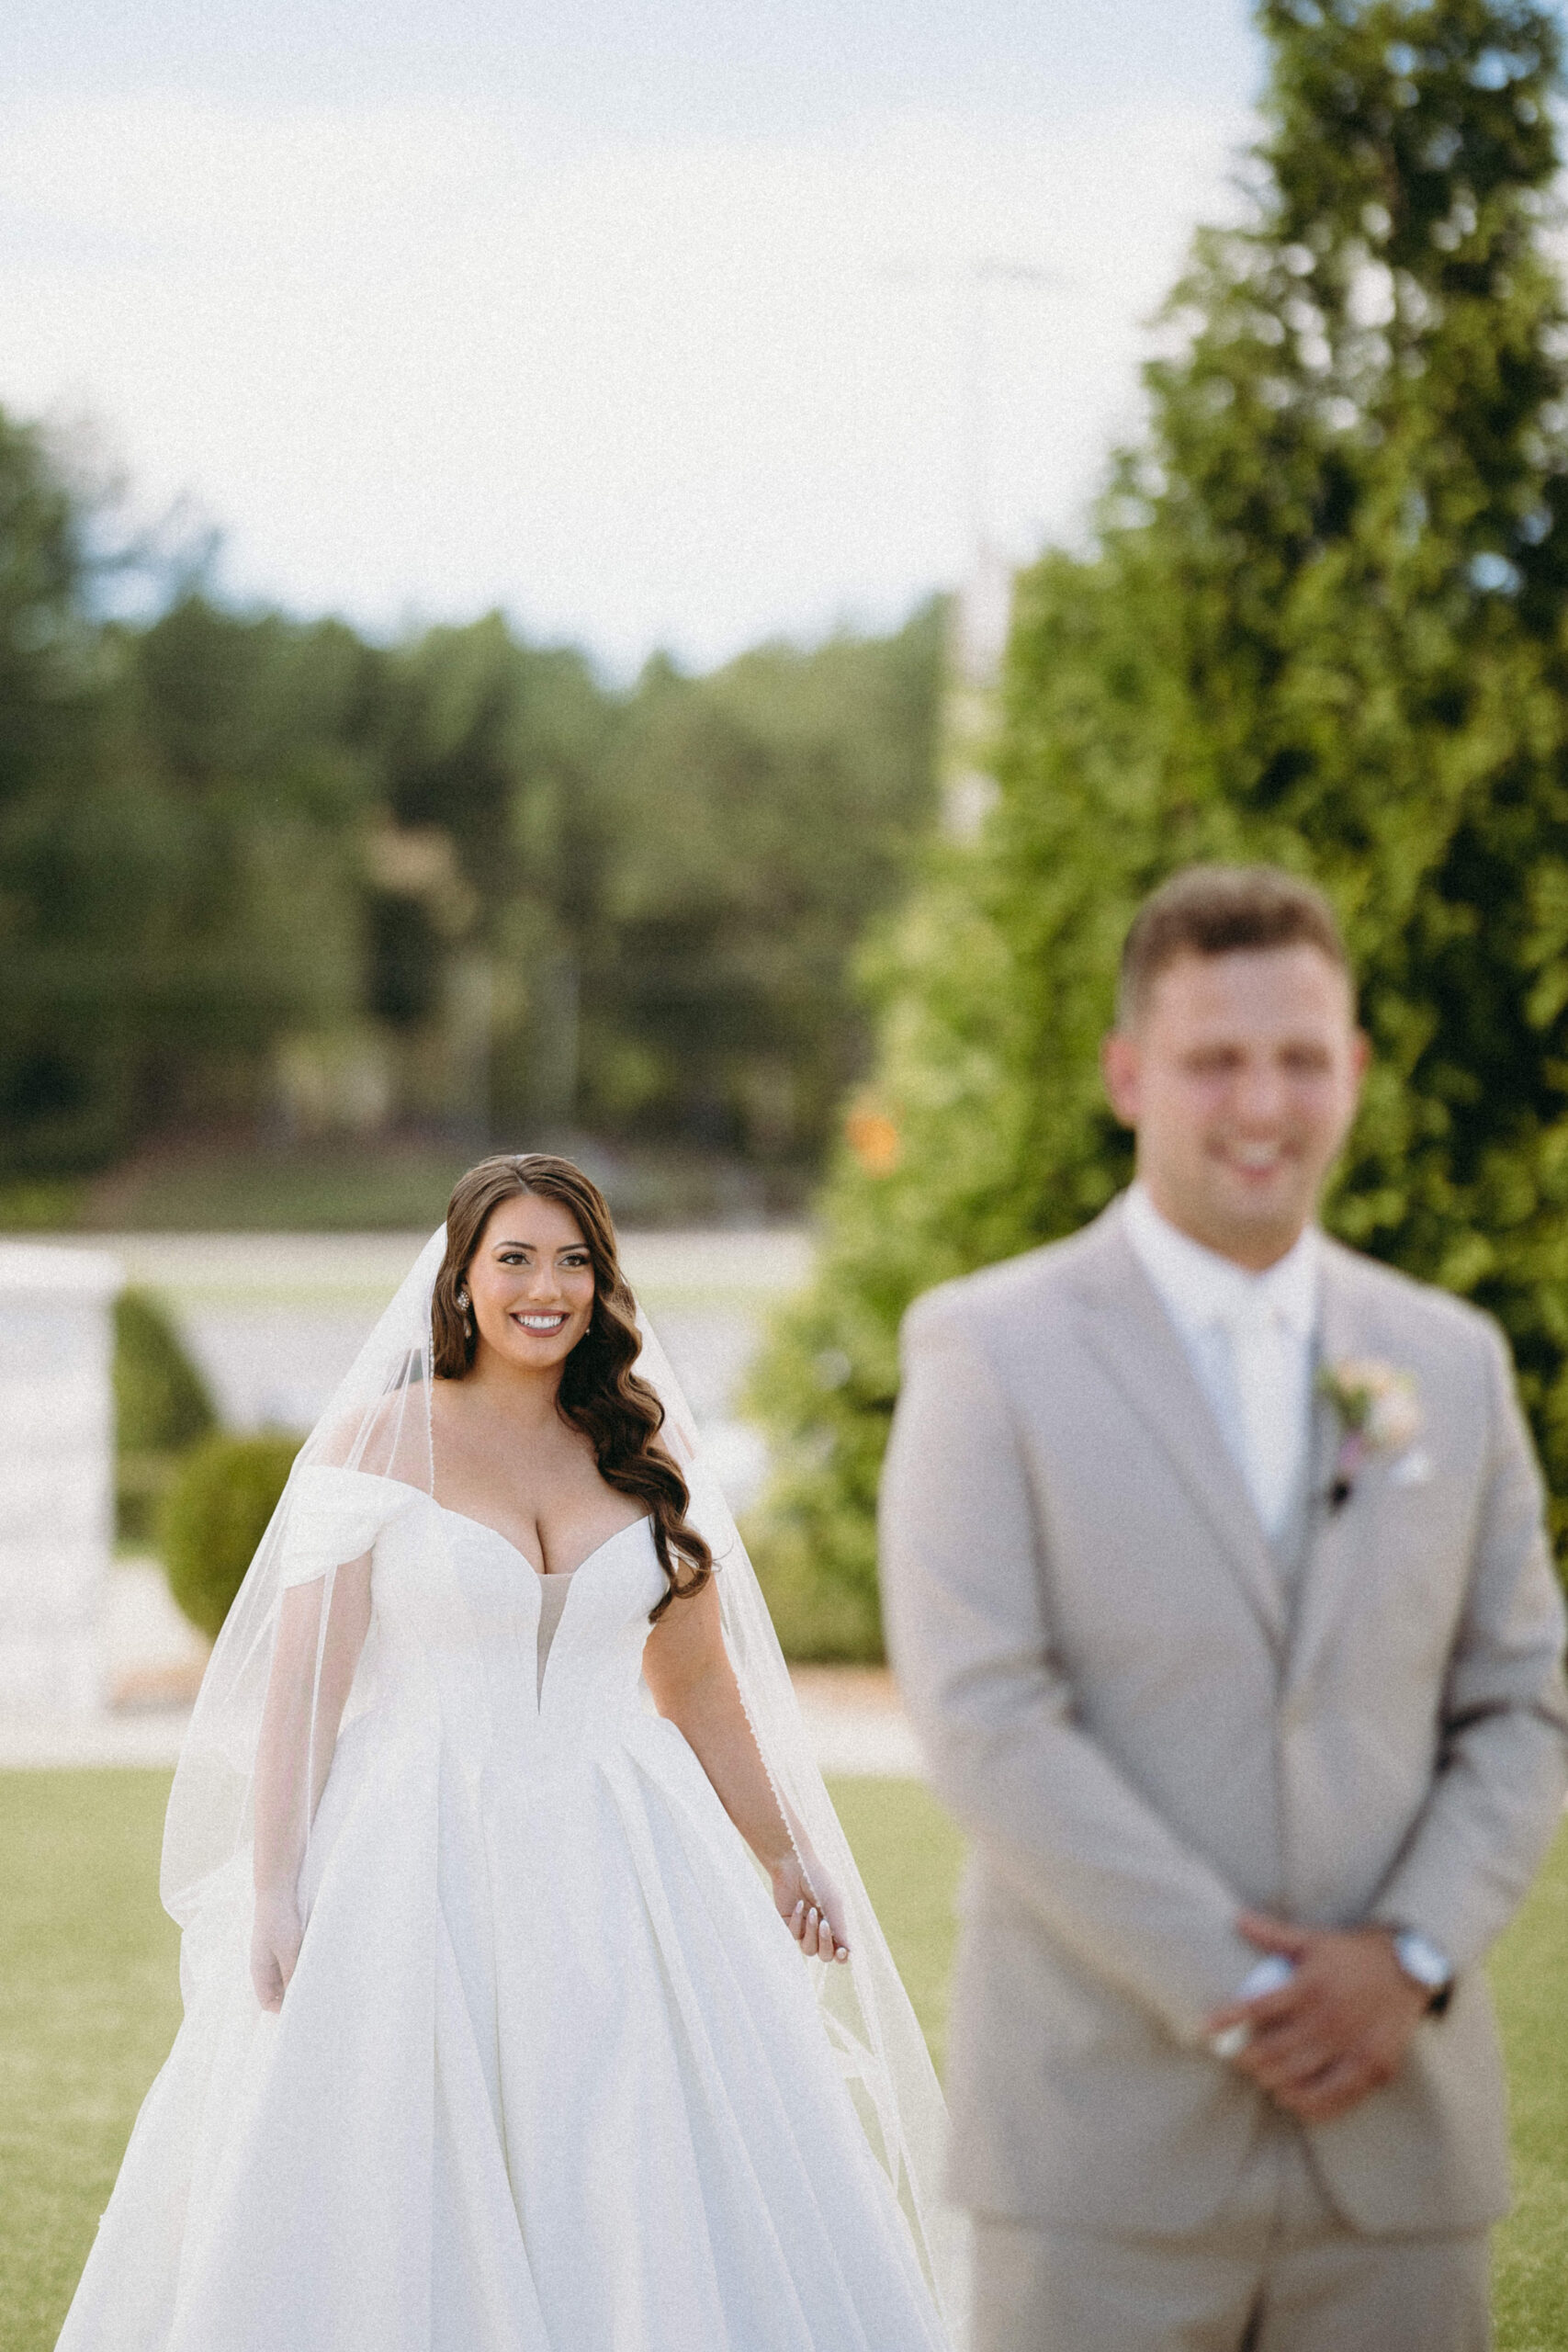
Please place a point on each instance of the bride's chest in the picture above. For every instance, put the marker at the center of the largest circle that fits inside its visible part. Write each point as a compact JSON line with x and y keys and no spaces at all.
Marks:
{"x":442,"y":1581}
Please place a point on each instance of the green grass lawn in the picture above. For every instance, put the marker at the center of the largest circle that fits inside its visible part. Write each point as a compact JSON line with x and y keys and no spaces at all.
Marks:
{"x":89,"y":2002}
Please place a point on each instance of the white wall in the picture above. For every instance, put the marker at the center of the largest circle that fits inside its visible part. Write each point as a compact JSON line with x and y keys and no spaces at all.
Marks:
{"x":56,"y":1472}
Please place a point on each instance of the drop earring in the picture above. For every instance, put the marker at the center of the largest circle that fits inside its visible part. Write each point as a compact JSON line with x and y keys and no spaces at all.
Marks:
{"x":463,"y":1303}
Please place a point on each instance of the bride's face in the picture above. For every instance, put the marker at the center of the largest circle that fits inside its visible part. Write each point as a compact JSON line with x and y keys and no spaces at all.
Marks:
{"x":531,"y":1281}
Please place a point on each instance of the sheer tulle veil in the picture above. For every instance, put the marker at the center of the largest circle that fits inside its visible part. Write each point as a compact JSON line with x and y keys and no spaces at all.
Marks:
{"x":378,"y":1422}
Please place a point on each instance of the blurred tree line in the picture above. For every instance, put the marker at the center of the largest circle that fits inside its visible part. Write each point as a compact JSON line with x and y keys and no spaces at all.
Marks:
{"x":262,"y":874}
{"x":1325,"y":623}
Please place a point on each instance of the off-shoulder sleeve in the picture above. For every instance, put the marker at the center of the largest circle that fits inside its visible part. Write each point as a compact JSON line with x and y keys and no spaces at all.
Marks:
{"x":336,"y":1515}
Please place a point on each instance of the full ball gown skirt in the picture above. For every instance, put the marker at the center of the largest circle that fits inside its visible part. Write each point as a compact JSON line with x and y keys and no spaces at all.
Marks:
{"x":550,"y":2075}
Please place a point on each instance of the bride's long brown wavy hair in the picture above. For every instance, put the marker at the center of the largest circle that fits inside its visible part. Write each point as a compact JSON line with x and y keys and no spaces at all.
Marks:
{"x":599,"y":1393}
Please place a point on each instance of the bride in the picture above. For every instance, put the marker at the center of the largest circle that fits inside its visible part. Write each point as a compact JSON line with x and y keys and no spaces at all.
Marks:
{"x":496,"y":2039}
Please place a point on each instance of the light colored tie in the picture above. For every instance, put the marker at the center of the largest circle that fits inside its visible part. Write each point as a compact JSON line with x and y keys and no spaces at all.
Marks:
{"x":1263,"y":1358}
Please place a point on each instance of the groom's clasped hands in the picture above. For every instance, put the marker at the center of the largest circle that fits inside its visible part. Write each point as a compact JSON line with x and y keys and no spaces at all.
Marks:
{"x":1338,"y":2029}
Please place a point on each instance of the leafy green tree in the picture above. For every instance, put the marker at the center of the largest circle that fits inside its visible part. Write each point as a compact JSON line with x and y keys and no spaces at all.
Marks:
{"x":758,"y":819}
{"x":63,"y":840}
{"x":176,"y":809}
{"x":496,"y":748}
{"x":46,"y":645}
{"x":244,"y":739}
{"x":246,"y":861}
{"x":1323,"y":623}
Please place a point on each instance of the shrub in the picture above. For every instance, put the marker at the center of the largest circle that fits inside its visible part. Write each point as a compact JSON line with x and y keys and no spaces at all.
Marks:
{"x":162,"y":1408}
{"x":215,"y":1515}
{"x":162,"y":1403}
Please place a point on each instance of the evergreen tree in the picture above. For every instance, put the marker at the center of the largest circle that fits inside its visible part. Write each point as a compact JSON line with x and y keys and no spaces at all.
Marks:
{"x":1323,"y":623}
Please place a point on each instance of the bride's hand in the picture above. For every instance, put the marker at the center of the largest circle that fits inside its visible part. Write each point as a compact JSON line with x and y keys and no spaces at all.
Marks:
{"x":810,"y":1907}
{"x":275,"y":1945}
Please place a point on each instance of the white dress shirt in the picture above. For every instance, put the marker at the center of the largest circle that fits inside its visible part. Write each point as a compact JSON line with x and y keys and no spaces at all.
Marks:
{"x":1249,"y":1338}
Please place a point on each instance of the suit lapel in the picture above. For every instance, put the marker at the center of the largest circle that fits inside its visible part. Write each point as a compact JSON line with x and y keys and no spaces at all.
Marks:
{"x":1336,"y":1547}
{"x":1133,"y":1338}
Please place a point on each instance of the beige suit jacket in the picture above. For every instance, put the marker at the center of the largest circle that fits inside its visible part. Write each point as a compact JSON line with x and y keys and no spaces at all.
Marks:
{"x":1093,"y":1641}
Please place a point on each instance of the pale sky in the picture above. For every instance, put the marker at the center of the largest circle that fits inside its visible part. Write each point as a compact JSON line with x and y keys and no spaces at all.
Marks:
{"x":639,"y":321}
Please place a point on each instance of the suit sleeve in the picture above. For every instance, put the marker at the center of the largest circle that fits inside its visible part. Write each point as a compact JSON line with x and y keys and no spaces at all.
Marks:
{"x":995,"y":1711}
{"x":1496,"y":1797}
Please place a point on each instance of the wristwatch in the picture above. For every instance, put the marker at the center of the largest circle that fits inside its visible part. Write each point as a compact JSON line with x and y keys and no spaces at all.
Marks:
{"x":1427,"y":1964}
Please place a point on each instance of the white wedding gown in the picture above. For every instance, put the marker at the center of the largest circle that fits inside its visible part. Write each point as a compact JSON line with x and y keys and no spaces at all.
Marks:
{"x":550,"y":2075}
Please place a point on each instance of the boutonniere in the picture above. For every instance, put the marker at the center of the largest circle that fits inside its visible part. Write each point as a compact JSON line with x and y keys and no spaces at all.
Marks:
{"x":1378,"y":1411}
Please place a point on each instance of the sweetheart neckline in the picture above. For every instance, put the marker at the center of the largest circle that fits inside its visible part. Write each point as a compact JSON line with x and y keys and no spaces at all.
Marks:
{"x":546,"y":1575}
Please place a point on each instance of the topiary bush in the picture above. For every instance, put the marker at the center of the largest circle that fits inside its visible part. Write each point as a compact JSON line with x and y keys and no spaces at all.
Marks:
{"x":162,"y":1408}
{"x":162,"y":1403}
{"x":215,"y":1515}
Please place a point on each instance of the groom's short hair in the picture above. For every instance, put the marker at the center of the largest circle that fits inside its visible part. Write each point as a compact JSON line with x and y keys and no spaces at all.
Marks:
{"x":1214,"y":910}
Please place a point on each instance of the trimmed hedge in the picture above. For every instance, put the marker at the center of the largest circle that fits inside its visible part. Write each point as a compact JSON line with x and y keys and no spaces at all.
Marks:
{"x":162,"y":1404}
{"x":216,"y":1514}
{"x":162,"y":1408}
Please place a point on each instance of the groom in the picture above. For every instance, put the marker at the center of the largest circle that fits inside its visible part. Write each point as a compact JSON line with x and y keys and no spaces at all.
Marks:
{"x":1227,"y":1693}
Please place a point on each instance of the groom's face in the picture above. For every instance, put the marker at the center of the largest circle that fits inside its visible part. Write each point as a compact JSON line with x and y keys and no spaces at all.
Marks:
{"x":1240,"y":1076}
